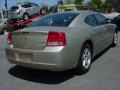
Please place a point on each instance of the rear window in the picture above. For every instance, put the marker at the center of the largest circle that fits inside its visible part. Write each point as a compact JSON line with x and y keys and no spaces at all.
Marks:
{"x":14,"y":7}
{"x":55,"y":20}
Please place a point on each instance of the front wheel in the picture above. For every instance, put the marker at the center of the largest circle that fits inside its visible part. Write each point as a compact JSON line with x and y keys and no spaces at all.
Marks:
{"x":85,"y":59}
{"x":115,"y":39}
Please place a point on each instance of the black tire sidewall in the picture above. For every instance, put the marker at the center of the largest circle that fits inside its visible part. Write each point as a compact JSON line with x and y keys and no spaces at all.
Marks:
{"x":113,"y":43}
{"x":24,"y":16}
{"x":5,"y":29}
{"x":80,"y":68}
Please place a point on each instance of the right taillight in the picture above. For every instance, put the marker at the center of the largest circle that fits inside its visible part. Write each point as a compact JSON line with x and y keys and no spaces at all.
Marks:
{"x":9,"y":38}
{"x":56,"y":39}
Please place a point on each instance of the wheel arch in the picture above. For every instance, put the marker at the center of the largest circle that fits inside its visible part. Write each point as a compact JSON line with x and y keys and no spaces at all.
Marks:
{"x":4,"y":29}
{"x":90,"y":42}
{"x":25,"y":14}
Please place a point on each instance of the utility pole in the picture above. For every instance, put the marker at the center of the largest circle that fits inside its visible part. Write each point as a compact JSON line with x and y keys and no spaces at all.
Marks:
{"x":1,"y":10}
{"x":6,"y":8}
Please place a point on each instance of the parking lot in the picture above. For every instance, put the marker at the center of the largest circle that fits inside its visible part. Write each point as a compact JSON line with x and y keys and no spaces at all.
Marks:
{"x":103,"y":75}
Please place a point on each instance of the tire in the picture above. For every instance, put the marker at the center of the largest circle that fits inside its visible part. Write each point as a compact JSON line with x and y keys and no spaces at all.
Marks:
{"x":25,"y":16}
{"x":85,"y":60}
{"x":115,"y":39}
{"x":5,"y":31}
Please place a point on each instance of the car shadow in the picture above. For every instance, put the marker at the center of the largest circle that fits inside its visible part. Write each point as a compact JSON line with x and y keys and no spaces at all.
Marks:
{"x":46,"y":77}
{"x":39,"y":76}
{"x":101,"y":53}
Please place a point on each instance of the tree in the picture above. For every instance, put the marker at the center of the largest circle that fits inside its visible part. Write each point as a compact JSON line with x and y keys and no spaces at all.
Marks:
{"x":96,"y":3}
{"x":112,"y":4}
{"x":53,"y":9}
{"x":69,"y":1}
{"x":78,"y":2}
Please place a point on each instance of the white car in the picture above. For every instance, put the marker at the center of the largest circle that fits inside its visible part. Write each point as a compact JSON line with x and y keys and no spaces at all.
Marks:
{"x":3,"y":26}
{"x":24,"y":10}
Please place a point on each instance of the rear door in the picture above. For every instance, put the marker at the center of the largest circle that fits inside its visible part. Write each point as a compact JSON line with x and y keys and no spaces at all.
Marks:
{"x":101,"y":32}
{"x":27,"y":9}
{"x":102,"y":23}
{"x":35,"y":8}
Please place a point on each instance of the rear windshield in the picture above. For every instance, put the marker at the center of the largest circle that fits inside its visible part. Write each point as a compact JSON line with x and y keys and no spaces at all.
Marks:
{"x":55,"y":20}
{"x":14,"y":7}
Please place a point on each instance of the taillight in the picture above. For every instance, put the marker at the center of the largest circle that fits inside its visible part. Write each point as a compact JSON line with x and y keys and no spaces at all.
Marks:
{"x":9,"y":38}
{"x":56,"y":39}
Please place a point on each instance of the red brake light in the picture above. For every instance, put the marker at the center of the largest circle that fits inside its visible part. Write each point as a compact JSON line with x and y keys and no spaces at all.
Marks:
{"x":9,"y":38}
{"x":56,"y":39}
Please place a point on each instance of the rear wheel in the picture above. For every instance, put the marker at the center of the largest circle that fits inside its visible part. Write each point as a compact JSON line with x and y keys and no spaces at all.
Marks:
{"x":25,"y":16}
{"x":85,"y":59}
{"x":5,"y":31}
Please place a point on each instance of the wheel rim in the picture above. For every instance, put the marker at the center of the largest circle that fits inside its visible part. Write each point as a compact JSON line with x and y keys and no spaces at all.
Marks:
{"x":86,"y":58}
{"x":26,"y":17}
{"x":5,"y":31}
{"x":115,"y":38}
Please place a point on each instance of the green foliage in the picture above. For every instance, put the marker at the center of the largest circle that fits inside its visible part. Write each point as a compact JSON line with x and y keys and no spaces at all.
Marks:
{"x":53,"y":9}
{"x":78,"y":2}
{"x":115,"y":4}
{"x":96,"y":3}
{"x":68,"y":1}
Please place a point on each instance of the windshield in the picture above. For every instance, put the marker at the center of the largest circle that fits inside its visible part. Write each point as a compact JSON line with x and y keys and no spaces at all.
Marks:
{"x":55,"y":20}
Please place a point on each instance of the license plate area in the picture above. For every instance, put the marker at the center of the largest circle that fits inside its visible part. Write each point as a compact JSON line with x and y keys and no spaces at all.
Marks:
{"x":26,"y":57}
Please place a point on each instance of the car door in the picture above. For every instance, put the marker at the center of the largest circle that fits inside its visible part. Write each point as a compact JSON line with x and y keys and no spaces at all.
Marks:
{"x":31,"y":10}
{"x":27,"y":9}
{"x":97,"y":34}
{"x":101,"y":32}
{"x":35,"y":8}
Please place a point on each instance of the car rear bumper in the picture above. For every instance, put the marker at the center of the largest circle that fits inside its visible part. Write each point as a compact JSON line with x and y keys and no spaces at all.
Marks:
{"x":13,"y":16}
{"x":54,"y":61}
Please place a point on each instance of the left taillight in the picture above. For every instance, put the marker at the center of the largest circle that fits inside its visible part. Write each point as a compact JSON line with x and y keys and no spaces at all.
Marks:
{"x":9,"y":38}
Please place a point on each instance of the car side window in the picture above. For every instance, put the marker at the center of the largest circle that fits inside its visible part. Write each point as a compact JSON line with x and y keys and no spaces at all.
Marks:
{"x":101,"y":20}
{"x":90,"y":20}
{"x":26,"y":5}
{"x":33,"y":4}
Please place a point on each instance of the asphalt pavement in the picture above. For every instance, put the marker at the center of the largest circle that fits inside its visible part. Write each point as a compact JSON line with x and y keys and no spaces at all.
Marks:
{"x":103,"y":75}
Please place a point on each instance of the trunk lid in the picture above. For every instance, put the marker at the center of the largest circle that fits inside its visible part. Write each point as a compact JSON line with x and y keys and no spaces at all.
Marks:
{"x":33,"y":38}
{"x":29,"y":40}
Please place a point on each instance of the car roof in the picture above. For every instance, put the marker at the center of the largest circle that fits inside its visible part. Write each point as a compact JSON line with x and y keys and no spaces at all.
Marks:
{"x":81,"y":12}
{"x":24,"y":3}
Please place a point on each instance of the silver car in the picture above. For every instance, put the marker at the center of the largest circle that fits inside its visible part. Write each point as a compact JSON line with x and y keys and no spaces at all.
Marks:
{"x":61,"y":41}
{"x":24,"y":10}
{"x":3,"y":26}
